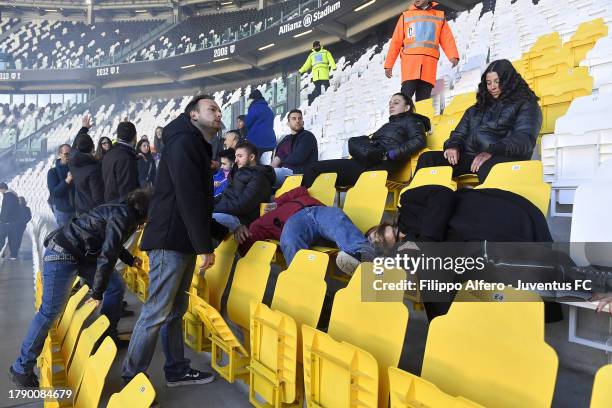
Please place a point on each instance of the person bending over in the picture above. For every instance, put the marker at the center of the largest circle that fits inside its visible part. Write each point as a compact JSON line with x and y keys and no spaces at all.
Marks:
{"x":389,"y":148}
{"x":502,"y":126}
{"x":89,"y":247}
{"x":250,"y":185}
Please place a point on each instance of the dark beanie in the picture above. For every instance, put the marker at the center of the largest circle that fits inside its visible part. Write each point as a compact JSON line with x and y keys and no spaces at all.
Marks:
{"x":126,"y":131}
{"x":255,"y":95}
{"x":84,"y":144}
{"x":316,"y":44}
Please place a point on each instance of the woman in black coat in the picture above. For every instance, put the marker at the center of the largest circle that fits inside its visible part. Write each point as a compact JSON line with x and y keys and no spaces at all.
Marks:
{"x":397,"y":140}
{"x":502,"y":126}
{"x":87,"y":173}
{"x":104,"y":145}
{"x":146,"y":164}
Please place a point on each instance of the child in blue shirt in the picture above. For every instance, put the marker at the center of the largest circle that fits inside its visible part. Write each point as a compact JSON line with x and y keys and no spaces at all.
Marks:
{"x":221,"y":178}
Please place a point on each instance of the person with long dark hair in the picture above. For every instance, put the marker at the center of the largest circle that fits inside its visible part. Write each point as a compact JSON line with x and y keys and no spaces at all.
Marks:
{"x":146,"y":164}
{"x":104,"y":145}
{"x":502,"y":126}
{"x":389,"y":148}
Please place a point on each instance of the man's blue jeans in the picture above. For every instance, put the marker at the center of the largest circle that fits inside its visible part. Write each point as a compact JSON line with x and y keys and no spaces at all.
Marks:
{"x":57,"y":279}
{"x":281,"y":174}
{"x":312,"y":225}
{"x":62,"y":218}
{"x":227,"y":220}
{"x":170,"y":276}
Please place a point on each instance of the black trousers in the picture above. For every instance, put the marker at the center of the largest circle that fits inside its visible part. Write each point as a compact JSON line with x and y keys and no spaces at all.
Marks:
{"x":15,"y":237}
{"x":348,"y":170}
{"x":436,"y":158}
{"x":318,"y":91}
{"x":422,"y":89}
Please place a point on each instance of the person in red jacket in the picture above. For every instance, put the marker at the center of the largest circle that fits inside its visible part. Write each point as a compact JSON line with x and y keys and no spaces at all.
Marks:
{"x":419,"y":33}
{"x":300,"y":221}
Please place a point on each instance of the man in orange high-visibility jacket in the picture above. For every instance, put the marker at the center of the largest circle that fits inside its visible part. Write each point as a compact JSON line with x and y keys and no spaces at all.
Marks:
{"x":419,"y":33}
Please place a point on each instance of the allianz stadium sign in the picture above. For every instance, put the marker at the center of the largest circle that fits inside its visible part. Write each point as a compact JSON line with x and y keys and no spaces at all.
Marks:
{"x":159,"y":69}
{"x":309,"y":19}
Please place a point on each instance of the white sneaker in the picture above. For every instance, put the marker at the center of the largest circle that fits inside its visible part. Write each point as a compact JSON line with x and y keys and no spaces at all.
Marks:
{"x":346,"y":263}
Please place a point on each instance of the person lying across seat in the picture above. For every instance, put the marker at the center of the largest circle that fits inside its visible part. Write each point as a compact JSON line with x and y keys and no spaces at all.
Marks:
{"x":300,"y":221}
{"x":389,"y":148}
{"x":502,"y":126}
{"x":250,"y":185}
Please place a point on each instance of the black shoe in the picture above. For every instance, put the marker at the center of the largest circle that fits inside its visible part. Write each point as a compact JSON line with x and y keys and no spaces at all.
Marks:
{"x":192,"y":377}
{"x":127,"y":313}
{"x":23,"y":380}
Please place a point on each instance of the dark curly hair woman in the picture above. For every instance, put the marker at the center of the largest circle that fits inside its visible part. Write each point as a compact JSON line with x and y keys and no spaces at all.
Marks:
{"x":502,"y":126}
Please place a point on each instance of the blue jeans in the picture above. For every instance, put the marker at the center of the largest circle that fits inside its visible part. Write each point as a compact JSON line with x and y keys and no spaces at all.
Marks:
{"x":62,"y":218}
{"x":281,"y":174}
{"x":311,"y":225}
{"x":113,"y":295}
{"x":170,"y":274}
{"x":230,"y":221}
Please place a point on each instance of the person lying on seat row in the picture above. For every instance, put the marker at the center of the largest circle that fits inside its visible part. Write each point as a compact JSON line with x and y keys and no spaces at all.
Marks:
{"x":502,"y":126}
{"x":389,"y":148}
{"x":300,"y":221}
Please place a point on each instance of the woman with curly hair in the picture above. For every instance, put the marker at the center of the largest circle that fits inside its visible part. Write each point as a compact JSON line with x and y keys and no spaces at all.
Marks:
{"x":104,"y":145}
{"x":502,"y":126}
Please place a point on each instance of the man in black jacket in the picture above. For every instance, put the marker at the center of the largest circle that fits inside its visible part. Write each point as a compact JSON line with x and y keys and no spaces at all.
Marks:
{"x":89,"y":247}
{"x":19,"y":226}
{"x":250,"y":185}
{"x":9,"y":213}
{"x":119,"y":167}
{"x":296,"y":151}
{"x":87,"y":173}
{"x":180,"y":227}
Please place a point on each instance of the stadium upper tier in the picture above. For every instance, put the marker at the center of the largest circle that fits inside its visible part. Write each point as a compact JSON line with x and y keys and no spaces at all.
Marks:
{"x":46,"y":44}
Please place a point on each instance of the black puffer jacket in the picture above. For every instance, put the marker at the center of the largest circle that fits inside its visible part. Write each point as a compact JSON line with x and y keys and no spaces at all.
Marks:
{"x":249,"y":187}
{"x":403,"y":135}
{"x":506,"y":128}
{"x":88,"y":183}
{"x":98,"y":237}
{"x":120,"y":172}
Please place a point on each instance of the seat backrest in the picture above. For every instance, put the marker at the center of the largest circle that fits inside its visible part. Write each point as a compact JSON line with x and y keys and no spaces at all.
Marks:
{"x":84,"y":347}
{"x":602,"y":392}
{"x":576,"y":81}
{"x":138,"y":393}
{"x":249,"y":283}
{"x":460,"y":103}
{"x":324,"y":188}
{"x":425,"y":108}
{"x":71,"y":306}
{"x":496,"y":357}
{"x":433,"y":176}
{"x":336,"y":373}
{"x":273,"y":337}
{"x":74,"y":331}
{"x":408,"y":390}
{"x":544,"y":42}
{"x":442,"y":130}
{"x":376,"y":327}
{"x":525,"y":178}
{"x":365,"y":201}
{"x":96,"y":369}
{"x":289,"y":184}
{"x":216,"y":277}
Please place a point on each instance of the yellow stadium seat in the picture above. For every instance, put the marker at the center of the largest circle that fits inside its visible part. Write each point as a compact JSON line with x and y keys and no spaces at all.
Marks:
{"x":442,"y":130}
{"x":425,"y":108}
{"x":337,"y":374}
{"x":460,"y":103}
{"x":210,"y":288}
{"x":365,"y":201}
{"x":66,"y":318}
{"x":39,"y":291}
{"x":139,"y":393}
{"x":430,"y":176}
{"x":142,"y":285}
{"x":542,"y":44}
{"x":96,"y":369}
{"x":249,"y":283}
{"x":559,"y":91}
{"x":525,"y":178}
{"x":223,"y":341}
{"x":409,"y":391}
{"x":324,"y":188}
{"x":74,"y":332}
{"x":289,"y":184}
{"x":547,"y":68}
{"x":87,"y":341}
{"x":493,"y":351}
{"x":376,"y":327}
{"x":602,"y":392}
{"x":585,"y":38}
{"x":273,"y":362}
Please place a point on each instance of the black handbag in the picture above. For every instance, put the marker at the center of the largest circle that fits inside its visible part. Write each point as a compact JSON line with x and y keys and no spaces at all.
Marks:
{"x":366,"y":151}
